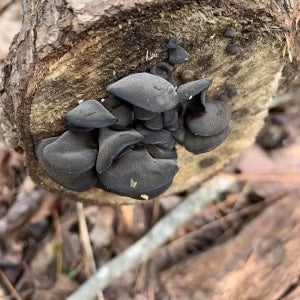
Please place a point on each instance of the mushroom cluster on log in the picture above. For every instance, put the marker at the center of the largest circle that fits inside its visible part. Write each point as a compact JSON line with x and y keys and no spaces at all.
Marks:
{"x":136,"y":155}
{"x":72,"y":50}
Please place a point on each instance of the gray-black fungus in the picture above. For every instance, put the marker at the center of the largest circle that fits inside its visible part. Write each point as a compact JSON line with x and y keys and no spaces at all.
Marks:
{"x":72,"y":152}
{"x":73,"y":128}
{"x":157,"y":151}
{"x":179,"y":134}
{"x":196,"y":104}
{"x":126,"y":144}
{"x":169,"y":145}
{"x":76,"y":181}
{"x":201,"y":144}
{"x":177,"y":54}
{"x":156,"y":123}
{"x":233,"y":48}
{"x":141,"y":173}
{"x":175,"y":81}
{"x":191,"y":89}
{"x":214,"y":120}
{"x":112,"y":144}
{"x":124,"y":116}
{"x":230,"y":32}
{"x":146,"y":91}
{"x":90,"y":114}
{"x":153,"y":137}
{"x":111,"y":103}
{"x":170,"y":117}
{"x":150,"y":194}
{"x":163,"y":70}
{"x":232,"y":92}
{"x":173,"y":43}
{"x":174,"y":126}
{"x":142,"y":114}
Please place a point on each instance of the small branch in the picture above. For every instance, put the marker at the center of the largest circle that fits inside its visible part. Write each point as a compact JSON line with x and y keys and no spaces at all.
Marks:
{"x":58,"y":242}
{"x":90,"y":265}
{"x":142,"y":250}
{"x":11,"y":288}
{"x":85,"y":241}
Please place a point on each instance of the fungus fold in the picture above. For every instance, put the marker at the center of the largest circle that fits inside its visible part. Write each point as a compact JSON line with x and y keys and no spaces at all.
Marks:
{"x":76,"y":181}
{"x":112,"y":144}
{"x":191,"y":89}
{"x":201,"y":144}
{"x":124,"y":116}
{"x":138,"y":165}
{"x":211,"y":122}
{"x":72,"y":152}
{"x":177,"y":54}
{"x":155,"y":123}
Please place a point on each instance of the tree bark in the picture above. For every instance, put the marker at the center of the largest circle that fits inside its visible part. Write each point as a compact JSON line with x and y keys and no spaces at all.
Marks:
{"x":69,"y":50}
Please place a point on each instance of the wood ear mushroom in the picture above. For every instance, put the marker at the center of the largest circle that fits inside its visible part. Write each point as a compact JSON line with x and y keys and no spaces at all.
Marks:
{"x":135,"y":154}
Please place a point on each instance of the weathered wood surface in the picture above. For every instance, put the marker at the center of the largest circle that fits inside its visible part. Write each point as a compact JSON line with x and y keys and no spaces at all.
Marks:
{"x":69,"y":50}
{"x":261,"y":262}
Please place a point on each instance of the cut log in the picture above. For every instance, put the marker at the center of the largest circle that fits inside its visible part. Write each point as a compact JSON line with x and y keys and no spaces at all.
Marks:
{"x":71,"y":50}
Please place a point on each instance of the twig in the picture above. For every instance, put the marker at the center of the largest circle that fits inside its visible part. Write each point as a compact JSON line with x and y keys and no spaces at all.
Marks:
{"x":127,"y":213}
{"x":86,"y":244}
{"x":141,"y":278}
{"x":58,"y":242}
{"x":11,"y":288}
{"x":85,"y":241}
{"x":142,"y":250}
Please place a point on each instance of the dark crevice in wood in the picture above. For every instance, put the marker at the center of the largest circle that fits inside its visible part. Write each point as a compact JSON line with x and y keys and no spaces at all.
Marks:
{"x":290,"y":289}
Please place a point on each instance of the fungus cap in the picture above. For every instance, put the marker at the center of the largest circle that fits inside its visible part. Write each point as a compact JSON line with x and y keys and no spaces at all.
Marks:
{"x":140,"y":167}
{"x":112,"y":144}
{"x":213,"y":121}
{"x":201,"y":144}
{"x":146,"y":91}
{"x":72,"y":152}
{"x":90,"y":114}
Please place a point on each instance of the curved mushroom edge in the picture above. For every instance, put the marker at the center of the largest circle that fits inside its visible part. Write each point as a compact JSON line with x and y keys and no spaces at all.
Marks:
{"x":126,"y":144}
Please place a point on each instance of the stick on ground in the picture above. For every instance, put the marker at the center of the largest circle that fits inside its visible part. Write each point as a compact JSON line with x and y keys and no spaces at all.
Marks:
{"x":142,"y":250}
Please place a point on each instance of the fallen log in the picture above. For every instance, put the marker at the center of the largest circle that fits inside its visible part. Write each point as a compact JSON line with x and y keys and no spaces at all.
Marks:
{"x":71,"y":50}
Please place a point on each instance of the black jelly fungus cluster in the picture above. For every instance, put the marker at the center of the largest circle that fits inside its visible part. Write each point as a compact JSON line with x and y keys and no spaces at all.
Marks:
{"x":126,"y":144}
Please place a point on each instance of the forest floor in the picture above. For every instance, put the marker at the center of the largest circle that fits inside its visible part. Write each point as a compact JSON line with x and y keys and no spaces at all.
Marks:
{"x":245,"y":245}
